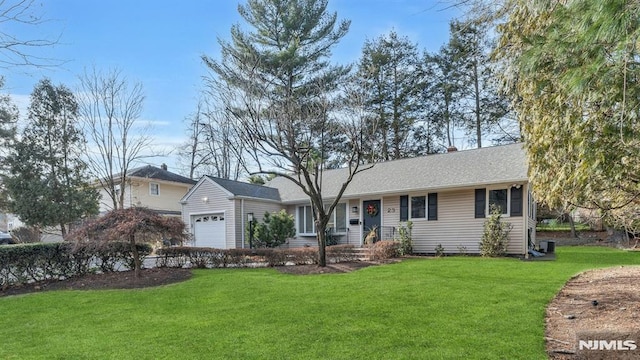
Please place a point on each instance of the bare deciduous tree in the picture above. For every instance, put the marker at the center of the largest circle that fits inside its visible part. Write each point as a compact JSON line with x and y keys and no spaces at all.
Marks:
{"x":300,"y":144}
{"x":17,"y":51}
{"x":111,"y":110}
{"x":285,"y":98}
{"x":213,"y":147}
{"x":192,"y":153}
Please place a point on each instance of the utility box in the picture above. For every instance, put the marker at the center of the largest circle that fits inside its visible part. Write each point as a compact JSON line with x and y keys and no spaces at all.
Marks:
{"x":547,"y":246}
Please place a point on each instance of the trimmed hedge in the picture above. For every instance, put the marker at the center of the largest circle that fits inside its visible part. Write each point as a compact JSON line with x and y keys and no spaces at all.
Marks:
{"x":385,"y":249}
{"x":213,"y":258}
{"x":25,"y":263}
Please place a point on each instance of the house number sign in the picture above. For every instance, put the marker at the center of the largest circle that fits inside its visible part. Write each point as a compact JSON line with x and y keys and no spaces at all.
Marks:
{"x":391,"y":210}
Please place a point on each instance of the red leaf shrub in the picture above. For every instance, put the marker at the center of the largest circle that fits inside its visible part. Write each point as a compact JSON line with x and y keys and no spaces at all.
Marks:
{"x":121,"y":224}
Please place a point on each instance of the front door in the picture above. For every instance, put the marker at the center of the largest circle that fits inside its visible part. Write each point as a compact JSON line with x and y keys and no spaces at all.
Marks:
{"x":371,"y":220}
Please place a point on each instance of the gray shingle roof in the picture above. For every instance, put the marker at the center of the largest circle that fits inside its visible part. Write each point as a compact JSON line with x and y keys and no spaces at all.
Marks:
{"x":153,"y":172}
{"x":238,"y":188}
{"x":467,"y":168}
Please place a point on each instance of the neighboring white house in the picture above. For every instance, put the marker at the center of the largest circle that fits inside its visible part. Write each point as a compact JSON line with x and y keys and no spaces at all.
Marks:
{"x":445,"y":196}
{"x":152,"y":187}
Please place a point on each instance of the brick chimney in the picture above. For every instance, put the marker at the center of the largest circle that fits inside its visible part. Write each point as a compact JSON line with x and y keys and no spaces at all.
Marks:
{"x":451,"y":149}
{"x":163,"y":166}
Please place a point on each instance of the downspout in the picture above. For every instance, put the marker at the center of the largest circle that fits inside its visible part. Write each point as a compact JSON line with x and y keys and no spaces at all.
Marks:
{"x":525,"y":228}
{"x":242,"y":221}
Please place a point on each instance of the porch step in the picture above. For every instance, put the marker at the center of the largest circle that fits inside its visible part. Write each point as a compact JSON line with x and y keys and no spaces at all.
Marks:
{"x":362,"y":254}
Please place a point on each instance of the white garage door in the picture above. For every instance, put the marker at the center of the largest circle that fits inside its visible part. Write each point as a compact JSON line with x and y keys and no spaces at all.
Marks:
{"x":209,"y":231}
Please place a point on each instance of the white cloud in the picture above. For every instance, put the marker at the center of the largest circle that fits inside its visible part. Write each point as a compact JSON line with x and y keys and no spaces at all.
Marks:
{"x":151,"y":123}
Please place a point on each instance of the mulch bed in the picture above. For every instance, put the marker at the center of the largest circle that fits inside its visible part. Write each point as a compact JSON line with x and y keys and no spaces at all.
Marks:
{"x":163,"y":276}
{"x":111,"y":280}
{"x":330,"y":268}
{"x":597,"y":303}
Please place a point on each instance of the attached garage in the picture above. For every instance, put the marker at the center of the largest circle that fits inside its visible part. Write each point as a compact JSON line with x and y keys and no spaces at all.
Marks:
{"x":215,"y":211}
{"x":209,"y":230}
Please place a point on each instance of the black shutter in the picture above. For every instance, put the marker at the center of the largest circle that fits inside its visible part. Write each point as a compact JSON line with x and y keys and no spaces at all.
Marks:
{"x":516,"y":201}
{"x":481,"y":199}
{"x":433,"y":206}
{"x":404,"y":208}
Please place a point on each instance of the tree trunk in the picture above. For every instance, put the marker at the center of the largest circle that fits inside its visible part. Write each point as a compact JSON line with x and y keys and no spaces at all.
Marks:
{"x":321,"y":227}
{"x":477,"y":96}
{"x":136,"y":256}
{"x":572,"y":225}
{"x":447,"y":121}
{"x":322,"y":247}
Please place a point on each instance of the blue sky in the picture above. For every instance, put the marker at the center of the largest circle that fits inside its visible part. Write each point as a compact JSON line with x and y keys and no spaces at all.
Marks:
{"x":159,"y":43}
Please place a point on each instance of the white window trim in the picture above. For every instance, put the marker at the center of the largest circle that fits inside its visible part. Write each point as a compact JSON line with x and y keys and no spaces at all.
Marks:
{"x":531,"y":204}
{"x":426,"y":207}
{"x":151,"y":187}
{"x":487,"y":205}
{"x":346,"y":218}
{"x":313,"y":225}
{"x":315,"y":233}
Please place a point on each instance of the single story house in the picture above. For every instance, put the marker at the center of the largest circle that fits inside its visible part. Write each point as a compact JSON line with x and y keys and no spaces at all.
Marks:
{"x":446,"y":197}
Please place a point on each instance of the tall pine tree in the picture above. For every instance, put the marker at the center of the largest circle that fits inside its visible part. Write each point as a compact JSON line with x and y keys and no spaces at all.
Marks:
{"x":388,"y":72}
{"x":286,"y":94}
{"x":8,"y":119}
{"x":48,"y":186}
{"x":484,"y":106}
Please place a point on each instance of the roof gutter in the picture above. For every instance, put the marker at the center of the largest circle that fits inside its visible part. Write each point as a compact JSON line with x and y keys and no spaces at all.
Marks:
{"x":433,"y":189}
{"x":240,"y":197}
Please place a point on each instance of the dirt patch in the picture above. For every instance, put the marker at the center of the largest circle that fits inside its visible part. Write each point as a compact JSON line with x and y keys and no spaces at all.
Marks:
{"x":597,"y":304}
{"x":111,"y":280}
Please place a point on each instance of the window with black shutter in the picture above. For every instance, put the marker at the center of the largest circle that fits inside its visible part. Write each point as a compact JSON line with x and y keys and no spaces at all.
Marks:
{"x":498,"y":199}
{"x":418,"y":207}
{"x":481,"y":198}
{"x":404,"y":208}
{"x":433,"y":206}
{"x":516,"y":201}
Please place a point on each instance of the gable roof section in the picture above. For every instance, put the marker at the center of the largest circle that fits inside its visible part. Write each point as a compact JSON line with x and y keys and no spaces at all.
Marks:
{"x":243,"y":189}
{"x":460,"y":169}
{"x":152,"y":172}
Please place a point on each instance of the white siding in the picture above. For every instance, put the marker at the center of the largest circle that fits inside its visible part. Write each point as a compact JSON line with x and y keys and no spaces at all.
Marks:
{"x":390,"y":211}
{"x":217,"y":201}
{"x":299,"y":241}
{"x":457,"y":226}
{"x":352,"y":237}
{"x":258,"y":208}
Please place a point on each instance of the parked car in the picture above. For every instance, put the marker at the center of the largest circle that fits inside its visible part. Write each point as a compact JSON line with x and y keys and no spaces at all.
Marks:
{"x":6,"y":239}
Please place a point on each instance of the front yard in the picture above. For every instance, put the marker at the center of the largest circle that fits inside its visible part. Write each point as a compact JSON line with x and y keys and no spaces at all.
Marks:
{"x":451,"y":307}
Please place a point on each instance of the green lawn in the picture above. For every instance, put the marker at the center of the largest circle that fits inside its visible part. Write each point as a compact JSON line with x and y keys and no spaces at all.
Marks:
{"x":450,"y":308}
